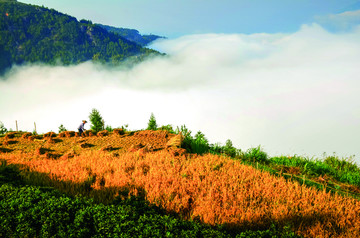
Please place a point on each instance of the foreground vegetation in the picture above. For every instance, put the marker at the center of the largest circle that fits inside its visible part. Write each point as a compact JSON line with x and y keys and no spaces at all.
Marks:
{"x":33,"y":211}
{"x":143,"y":184}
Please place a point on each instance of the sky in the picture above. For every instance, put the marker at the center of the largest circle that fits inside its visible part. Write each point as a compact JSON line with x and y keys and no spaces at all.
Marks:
{"x":174,"y":18}
{"x":234,"y":73}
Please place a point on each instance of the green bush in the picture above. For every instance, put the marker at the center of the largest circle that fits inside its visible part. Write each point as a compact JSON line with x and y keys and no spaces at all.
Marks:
{"x":97,"y":122}
{"x":343,"y":170}
{"x":228,"y":149}
{"x":152,"y":125}
{"x":62,"y":128}
{"x":199,"y":144}
{"x":3,"y":130}
{"x":256,"y":155}
{"x":109,"y":128}
{"x":167,"y":128}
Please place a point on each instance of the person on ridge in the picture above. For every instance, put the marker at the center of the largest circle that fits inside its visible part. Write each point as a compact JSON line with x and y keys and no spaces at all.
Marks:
{"x":81,"y":127}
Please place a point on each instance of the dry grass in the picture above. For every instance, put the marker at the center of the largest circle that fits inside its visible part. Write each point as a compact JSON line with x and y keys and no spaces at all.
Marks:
{"x":213,"y":189}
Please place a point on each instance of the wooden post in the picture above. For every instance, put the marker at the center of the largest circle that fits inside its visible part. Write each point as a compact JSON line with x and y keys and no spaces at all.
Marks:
{"x":35,"y":128}
{"x":16,"y":126}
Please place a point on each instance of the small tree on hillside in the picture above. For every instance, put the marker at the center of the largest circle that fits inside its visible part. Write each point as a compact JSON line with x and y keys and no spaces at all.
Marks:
{"x":229,"y":149}
{"x":152,"y":123}
{"x":3,"y":130}
{"x":62,"y":128}
{"x":97,"y":122}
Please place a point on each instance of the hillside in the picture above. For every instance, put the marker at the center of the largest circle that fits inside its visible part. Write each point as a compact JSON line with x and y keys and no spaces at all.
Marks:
{"x":36,"y":34}
{"x":246,"y":195}
{"x":132,"y":35}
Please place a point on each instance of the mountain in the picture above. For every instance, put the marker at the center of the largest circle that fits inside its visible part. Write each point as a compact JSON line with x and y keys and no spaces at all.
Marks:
{"x":132,"y":35}
{"x":31,"y":33}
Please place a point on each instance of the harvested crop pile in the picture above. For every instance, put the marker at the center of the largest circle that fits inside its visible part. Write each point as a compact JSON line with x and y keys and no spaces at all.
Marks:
{"x":118,"y":131}
{"x":176,"y":141}
{"x":136,"y":147}
{"x":177,"y":151}
{"x":153,"y":134}
{"x":62,"y":134}
{"x":50,"y":134}
{"x":5,"y":150}
{"x":40,"y":150}
{"x":69,"y":134}
{"x":85,"y":145}
{"x":50,"y":140}
{"x":103,"y":133}
{"x":70,"y":154}
{"x":26,"y":135}
{"x":107,"y":148}
{"x":90,"y":133}
{"x":10,"y":135}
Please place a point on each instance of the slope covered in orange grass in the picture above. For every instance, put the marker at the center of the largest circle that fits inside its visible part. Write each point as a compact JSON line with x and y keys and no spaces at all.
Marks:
{"x":212,"y":189}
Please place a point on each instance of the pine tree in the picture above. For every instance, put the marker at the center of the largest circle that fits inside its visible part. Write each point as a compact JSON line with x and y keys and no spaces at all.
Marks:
{"x":152,"y":123}
{"x":97,"y":122}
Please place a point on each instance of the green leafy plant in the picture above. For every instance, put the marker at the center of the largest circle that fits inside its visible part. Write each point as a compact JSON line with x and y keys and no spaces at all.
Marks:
{"x":109,"y":128}
{"x":3,"y":130}
{"x":152,"y":123}
{"x":229,"y":149}
{"x":256,"y":155}
{"x":97,"y":122}
{"x":168,"y":128}
{"x":62,"y":128}
{"x":200,"y":143}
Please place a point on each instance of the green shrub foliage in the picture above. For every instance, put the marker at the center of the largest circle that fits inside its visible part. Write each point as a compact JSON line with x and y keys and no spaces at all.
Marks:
{"x":152,"y":125}
{"x":3,"y":130}
{"x":97,"y":122}
{"x":62,"y":128}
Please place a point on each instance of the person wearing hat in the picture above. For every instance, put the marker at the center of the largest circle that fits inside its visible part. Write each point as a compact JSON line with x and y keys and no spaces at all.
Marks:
{"x":81,"y":127}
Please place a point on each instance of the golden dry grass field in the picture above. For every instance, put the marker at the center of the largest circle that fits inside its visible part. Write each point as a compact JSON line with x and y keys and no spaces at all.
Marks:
{"x":210,"y":188}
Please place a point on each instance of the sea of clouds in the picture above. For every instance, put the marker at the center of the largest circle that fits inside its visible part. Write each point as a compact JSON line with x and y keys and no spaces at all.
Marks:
{"x":292,"y":93}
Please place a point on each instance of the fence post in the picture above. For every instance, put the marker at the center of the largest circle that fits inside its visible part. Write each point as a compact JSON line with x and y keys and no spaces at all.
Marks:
{"x":16,"y":126}
{"x":35,"y":128}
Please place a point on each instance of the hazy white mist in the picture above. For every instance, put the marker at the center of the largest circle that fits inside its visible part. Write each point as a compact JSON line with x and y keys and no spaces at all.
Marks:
{"x":290,"y":93}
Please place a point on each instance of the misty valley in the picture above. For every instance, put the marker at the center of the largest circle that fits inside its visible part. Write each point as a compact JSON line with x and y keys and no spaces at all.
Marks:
{"x":106,"y":131}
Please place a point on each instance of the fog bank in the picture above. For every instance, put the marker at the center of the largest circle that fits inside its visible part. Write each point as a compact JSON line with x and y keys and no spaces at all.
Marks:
{"x":290,"y":93}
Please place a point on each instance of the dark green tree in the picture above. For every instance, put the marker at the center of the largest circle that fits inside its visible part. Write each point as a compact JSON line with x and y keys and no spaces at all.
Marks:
{"x":200,"y":143}
{"x":3,"y":130}
{"x":97,"y":122}
{"x":152,"y":123}
{"x":229,"y":149}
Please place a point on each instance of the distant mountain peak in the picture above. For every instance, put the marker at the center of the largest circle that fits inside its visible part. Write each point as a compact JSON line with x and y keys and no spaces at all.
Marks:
{"x":31,"y":34}
{"x":132,"y":35}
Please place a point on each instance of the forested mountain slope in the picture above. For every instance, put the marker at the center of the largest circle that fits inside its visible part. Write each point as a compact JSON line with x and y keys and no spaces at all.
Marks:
{"x":132,"y":35}
{"x":31,"y":33}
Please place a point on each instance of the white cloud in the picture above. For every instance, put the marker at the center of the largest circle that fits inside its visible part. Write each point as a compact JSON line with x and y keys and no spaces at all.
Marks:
{"x":344,"y":21}
{"x":294,"y":93}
